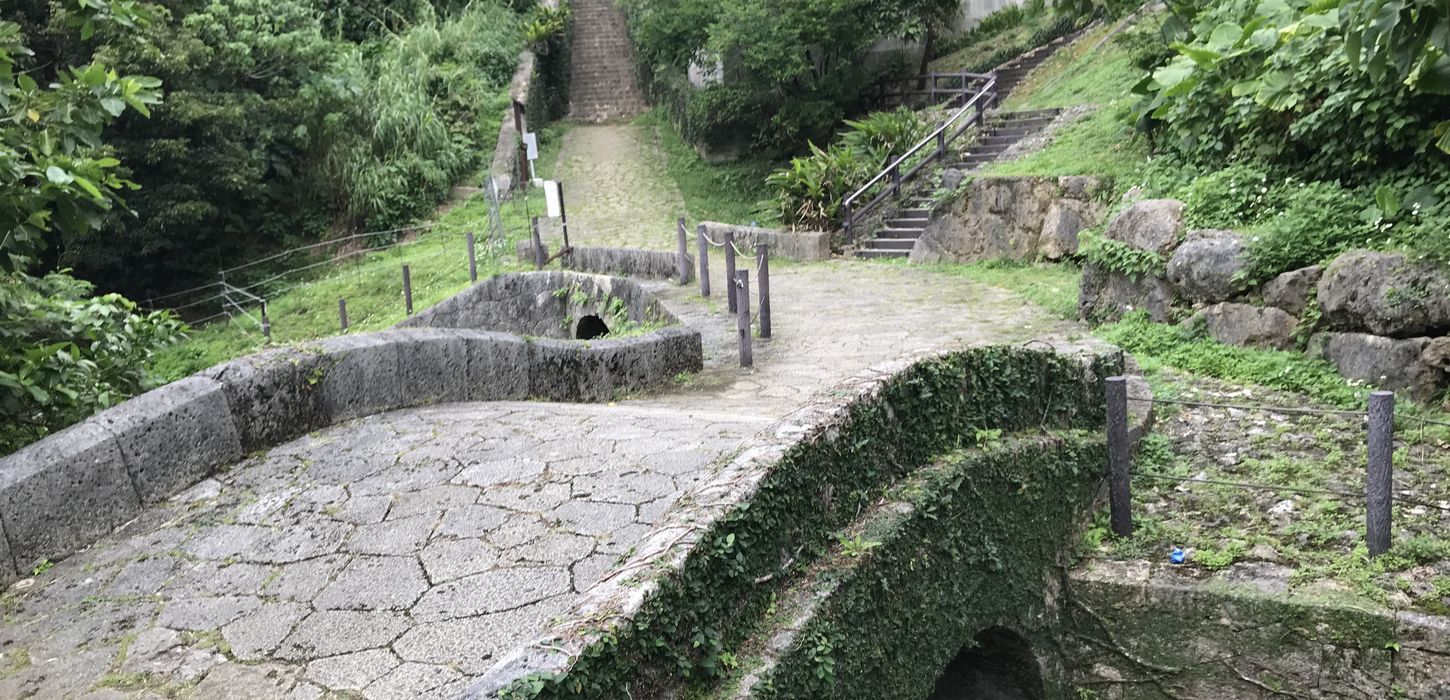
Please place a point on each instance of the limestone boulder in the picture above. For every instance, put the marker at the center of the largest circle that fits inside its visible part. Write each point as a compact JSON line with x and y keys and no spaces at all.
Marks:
{"x":1152,"y":224}
{"x":1205,"y":268}
{"x":1246,"y":325}
{"x":1106,"y":295}
{"x":1065,"y":219}
{"x":1291,"y":291}
{"x":1385,"y":294}
{"x":1396,"y":364}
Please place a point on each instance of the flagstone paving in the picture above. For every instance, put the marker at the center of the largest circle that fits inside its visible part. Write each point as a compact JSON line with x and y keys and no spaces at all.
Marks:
{"x":397,"y":556}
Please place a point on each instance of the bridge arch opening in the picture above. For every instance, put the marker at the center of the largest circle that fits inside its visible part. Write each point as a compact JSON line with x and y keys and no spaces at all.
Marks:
{"x":591,"y":327}
{"x":998,"y":665}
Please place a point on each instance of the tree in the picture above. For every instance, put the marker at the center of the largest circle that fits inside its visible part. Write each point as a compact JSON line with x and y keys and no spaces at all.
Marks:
{"x":63,"y":353}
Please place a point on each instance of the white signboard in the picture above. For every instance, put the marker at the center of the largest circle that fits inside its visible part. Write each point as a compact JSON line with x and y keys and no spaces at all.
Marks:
{"x":552,"y":200}
{"x":531,"y":144}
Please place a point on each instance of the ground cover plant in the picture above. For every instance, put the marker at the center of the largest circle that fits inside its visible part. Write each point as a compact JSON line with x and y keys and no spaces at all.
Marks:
{"x":732,"y":192}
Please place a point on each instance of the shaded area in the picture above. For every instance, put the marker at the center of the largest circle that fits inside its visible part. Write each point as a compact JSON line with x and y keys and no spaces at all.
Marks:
{"x":591,"y":327}
{"x":998,"y":666}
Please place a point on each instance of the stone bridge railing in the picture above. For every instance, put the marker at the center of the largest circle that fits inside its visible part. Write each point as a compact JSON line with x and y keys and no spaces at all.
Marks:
{"x":61,"y":494}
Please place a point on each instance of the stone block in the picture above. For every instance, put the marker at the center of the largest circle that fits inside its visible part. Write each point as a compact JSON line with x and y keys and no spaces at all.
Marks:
{"x":498,"y":366}
{"x":1246,"y":325}
{"x":174,"y":436}
{"x":1065,"y":219}
{"x":61,"y":494}
{"x":1106,"y":295}
{"x":432,"y":365}
{"x":1152,"y":224}
{"x":360,"y":375}
{"x":273,"y":395}
{"x":1389,"y":363}
{"x":1205,"y":267}
{"x":1291,"y":290}
{"x":1385,"y":294}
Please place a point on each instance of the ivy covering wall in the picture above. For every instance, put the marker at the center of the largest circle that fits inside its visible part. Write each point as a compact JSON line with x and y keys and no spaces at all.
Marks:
{"x":702,"y":611}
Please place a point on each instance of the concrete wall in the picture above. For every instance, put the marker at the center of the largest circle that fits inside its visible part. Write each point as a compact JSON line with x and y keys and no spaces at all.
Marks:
{"x":59,"y":495}
{"x":629,"y":262}
{"x":807,"y":246}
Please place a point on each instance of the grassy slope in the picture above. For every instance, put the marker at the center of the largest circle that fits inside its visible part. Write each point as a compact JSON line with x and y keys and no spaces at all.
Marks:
{"x":1103,"y":143}
{"x":726,"y":192}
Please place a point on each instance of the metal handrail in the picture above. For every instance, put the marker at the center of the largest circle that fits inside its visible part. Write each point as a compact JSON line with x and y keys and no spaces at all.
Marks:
{"x":978,"y":102}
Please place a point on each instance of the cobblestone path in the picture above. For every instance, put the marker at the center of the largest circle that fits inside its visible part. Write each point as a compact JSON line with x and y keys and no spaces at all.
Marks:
{"x":616,"y":192}
{"x":397,"y":556}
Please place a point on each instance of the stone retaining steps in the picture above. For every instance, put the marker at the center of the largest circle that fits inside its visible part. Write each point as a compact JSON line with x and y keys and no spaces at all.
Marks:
{"x":602,"y":86}
{"x":900,"y":229}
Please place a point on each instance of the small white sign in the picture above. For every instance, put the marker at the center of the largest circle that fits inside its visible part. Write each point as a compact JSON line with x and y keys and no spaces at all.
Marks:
{"x":552,"y":200}
{"x":531,"y":145}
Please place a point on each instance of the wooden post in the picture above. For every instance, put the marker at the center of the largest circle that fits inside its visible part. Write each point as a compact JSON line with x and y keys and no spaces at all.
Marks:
{"x":472,"y":260}
{"x":762,"y":274}
{"x":539,"y":256}
{"x":730,"y":269}
{"x":266,"y":324}
{"x":742,"y":317}
{"x":1378,"y":487}
{"x":1119,"y":459}
{"x":684,"y":251}
{"x":703,"y":246}
{"x":407,"y":290}
{"x":342,"y":313}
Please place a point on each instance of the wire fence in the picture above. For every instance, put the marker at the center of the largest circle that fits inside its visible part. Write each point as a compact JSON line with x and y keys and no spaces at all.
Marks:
{"x":240,"y":295}
{"x":1381,"y":491}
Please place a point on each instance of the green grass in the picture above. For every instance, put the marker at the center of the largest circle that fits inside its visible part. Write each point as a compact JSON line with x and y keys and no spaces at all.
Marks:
{"x":1053,"y":286}
{"x":1102,"y":143}
{"x":371,"y":284}
{"x":1160,"y":344}
{"x":730,"y":193}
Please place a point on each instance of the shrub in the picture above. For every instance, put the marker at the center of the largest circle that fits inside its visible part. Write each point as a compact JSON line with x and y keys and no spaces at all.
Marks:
{"x":1319,"y":220}
{"x":65,"y":354}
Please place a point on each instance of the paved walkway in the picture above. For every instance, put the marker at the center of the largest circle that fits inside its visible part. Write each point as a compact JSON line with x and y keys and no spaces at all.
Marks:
{"x":615,"y":188}
{"x":397,"y":556}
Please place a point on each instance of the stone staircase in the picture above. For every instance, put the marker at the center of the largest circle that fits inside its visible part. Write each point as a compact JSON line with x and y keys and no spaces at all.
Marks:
{"x":602,"y":85}
{"x":901,"y":228}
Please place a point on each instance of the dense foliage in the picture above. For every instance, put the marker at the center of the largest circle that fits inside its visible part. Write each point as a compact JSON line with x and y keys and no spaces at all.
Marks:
{"x":809,"y":190}
{"x":285,"y":120}
{"x":63,"y":353}
{"x":778,"y":74}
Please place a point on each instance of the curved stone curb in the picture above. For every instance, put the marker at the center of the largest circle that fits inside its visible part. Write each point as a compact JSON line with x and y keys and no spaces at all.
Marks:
{"x":61,"y":494}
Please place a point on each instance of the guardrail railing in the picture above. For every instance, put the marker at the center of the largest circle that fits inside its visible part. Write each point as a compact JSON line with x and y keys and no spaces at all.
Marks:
{"x":929,"y":89}
{"x":972,"y":112}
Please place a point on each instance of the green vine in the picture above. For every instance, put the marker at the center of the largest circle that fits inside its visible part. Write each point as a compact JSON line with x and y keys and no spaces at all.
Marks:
{"x":700,"y":613}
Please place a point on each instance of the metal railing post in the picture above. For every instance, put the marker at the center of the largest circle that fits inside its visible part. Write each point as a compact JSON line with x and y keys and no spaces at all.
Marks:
{"x":730,"y":268}
{"x":683,"y":251}
{"x":703,"y":246}
{"x":895,"y":179}
{"x":742,"y":318}
{"x":1378,"y":487}
{"x":762,"y":275}
{"x":1119,"y":459}
{"x":846,"y":220}
{"x":342,"y":313}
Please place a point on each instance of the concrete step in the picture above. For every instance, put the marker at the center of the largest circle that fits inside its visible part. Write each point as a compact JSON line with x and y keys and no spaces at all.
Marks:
{"x":900,"y":231}
{"x":902,"y":244}
{"x":871,"y":253}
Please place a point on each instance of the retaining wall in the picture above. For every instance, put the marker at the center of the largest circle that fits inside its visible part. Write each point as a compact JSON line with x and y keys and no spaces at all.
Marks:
{"x":806,"y":246}
{"x":59,"y":495}
{"x":631,"y":262}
